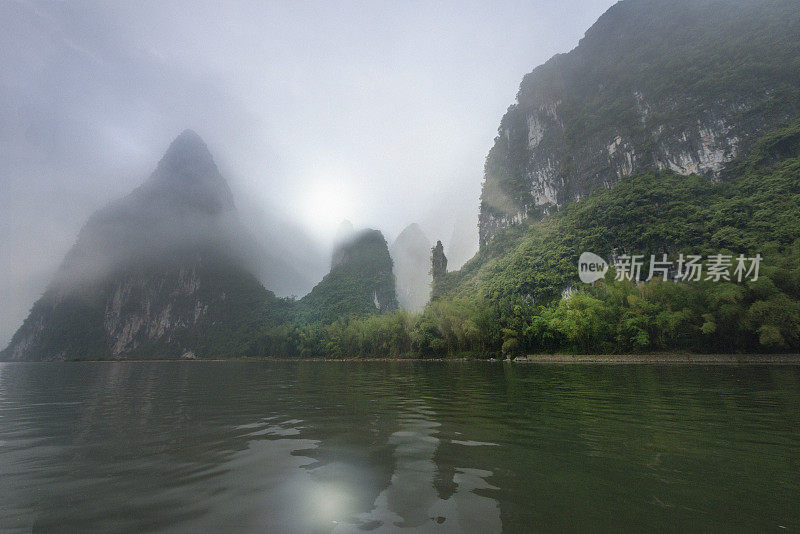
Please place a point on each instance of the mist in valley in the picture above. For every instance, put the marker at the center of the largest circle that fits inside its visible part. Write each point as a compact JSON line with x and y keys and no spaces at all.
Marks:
{"x":380,"y":114}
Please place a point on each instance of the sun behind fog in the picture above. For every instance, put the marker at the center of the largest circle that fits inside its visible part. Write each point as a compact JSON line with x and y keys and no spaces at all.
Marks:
{"x":327,"y":203}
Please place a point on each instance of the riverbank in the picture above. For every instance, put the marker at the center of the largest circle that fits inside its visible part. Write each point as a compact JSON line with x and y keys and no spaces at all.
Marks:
{"x":654,"y":358}
{"x":666,"y":358}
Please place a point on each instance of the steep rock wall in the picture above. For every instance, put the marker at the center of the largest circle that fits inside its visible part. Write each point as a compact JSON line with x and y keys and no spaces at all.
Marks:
{"x":684,"y":85}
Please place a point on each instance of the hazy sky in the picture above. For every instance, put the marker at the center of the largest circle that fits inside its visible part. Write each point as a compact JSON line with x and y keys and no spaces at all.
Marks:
{"x":378,"y":112}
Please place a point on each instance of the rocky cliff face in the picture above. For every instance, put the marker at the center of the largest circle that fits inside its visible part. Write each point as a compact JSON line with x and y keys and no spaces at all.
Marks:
{"x":158,"y":273}
{"x":655,"y":84}
{"x":411,"y":255}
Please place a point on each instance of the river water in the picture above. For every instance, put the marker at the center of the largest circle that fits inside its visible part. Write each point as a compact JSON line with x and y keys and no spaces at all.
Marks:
{"x":398,"y":447}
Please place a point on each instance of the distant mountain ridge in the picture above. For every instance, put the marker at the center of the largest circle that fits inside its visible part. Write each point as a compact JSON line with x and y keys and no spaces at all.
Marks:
{"x":670,"y":129}
{"x":411,"y":253}
{"x":168,"y":272}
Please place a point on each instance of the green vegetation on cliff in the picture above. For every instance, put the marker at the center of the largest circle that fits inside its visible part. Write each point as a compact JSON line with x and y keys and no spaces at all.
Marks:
{"x":508,"y":299}
{"x":642,"y":140}
{"x":160,"y":273}
{"x":199,"y":304}
{"x":685,"y":85}
{"x":360,"y":282}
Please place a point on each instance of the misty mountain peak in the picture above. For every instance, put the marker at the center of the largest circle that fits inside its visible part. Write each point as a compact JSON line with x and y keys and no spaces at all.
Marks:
{"x":187,"y":175}
{"x":186,"y":153}
{"x":412,"y":235}
{"x":411,"y":253}
{"x":185,"y":205}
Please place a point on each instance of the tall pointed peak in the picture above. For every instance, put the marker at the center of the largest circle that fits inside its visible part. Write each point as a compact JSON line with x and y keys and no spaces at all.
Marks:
{"x":412,"y":231}
{"x":188,"y":176}
{"x":187,"y":150}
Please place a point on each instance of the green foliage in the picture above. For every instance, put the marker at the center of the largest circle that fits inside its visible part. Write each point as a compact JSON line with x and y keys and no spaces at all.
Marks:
{"x":374,"y":336}
{"x":361,"y":275}
{"x":647,"y":71}
{"x":509,"y":299}
{"x":232,"y":322}
{"x":76,"y":325}
{"x":756,"y":211}
{"x":71,"y":324}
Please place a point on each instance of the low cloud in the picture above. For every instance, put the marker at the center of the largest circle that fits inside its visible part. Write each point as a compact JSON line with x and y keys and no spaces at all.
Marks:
{"x":398,"y":101}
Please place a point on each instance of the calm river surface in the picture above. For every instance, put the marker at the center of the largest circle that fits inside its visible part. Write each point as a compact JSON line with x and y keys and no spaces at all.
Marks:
{"x":398,"y":446}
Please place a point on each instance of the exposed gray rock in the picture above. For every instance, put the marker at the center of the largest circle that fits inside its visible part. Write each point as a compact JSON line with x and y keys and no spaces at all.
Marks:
{"x":611,"y":107}
{"x":150,"y":274}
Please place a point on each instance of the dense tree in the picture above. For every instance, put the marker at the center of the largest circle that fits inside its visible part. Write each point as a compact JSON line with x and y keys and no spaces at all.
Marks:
{"x":510,"y":299}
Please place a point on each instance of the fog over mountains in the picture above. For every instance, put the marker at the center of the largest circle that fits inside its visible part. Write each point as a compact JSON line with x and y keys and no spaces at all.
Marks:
{"x":314,"y":113}
{"x":170,"y":271}
{"x":166,"y":271}
{"x":189,"y":263}
{"x":411,"y":252}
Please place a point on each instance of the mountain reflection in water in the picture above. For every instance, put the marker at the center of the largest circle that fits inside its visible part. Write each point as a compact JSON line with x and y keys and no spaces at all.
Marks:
{"x":388,"y":446}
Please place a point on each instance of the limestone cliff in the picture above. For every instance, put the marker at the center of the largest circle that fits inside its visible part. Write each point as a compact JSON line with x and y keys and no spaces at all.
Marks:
{"x":156,"y":274}
{"x":685,"y":85}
